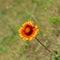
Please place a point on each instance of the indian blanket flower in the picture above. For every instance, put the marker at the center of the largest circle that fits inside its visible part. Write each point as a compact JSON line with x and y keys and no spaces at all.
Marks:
{"x":28,"y":31}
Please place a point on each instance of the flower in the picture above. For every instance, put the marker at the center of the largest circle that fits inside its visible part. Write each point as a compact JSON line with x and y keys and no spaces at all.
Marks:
{"x":28,"y":31}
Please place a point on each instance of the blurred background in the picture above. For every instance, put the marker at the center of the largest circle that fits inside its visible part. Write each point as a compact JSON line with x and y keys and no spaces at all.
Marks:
{"x":44,"y":13}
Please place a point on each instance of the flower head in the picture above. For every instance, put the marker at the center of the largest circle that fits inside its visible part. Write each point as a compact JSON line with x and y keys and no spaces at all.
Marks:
{"x":28,"y":30}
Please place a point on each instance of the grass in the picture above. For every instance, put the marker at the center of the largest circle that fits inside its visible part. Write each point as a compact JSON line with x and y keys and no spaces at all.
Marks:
{"x":44,"y":13}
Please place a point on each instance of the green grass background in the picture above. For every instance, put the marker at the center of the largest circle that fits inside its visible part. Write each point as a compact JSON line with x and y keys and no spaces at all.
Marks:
{"x":44,"y":13}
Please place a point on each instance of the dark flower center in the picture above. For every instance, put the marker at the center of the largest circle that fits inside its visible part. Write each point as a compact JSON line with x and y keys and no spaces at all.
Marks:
{"x":28,"y":31}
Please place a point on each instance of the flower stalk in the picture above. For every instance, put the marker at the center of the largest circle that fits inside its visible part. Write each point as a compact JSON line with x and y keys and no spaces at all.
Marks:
{"x":43,"y":45}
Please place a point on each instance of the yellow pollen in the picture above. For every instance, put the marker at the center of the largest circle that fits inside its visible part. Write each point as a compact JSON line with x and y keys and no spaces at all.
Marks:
{"x":27,"y":30}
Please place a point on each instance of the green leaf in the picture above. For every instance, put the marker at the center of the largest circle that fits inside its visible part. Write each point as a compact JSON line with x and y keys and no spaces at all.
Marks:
{"x":54,"y":19}
{"x":56,"y":55}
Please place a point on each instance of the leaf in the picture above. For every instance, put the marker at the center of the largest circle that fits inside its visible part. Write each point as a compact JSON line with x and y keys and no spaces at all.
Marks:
{"x":56,"y":55}
{"x":54,"y":19}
